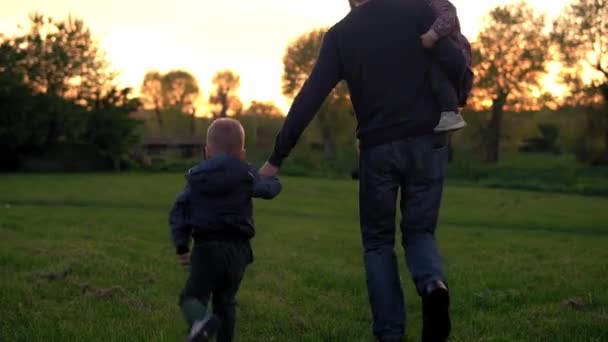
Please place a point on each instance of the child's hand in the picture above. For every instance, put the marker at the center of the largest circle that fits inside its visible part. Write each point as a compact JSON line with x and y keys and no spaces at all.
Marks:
{"x":269,"y":170}
{"x":184,"y":260}
{"x":429,"y":39}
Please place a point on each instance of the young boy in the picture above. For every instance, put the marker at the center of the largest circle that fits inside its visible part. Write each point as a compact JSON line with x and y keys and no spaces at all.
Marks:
{"x":452,"y":90}
{"x":215,"y":210}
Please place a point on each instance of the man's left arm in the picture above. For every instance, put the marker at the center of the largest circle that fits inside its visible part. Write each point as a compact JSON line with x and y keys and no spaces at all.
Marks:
{"x":324,"y":77}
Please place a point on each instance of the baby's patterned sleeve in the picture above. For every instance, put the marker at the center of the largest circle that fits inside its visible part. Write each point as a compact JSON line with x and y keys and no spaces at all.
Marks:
{"x":446,"y":21}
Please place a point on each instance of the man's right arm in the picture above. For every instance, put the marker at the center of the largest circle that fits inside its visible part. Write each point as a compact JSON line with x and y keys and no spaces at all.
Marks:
{"x":324,"y":77}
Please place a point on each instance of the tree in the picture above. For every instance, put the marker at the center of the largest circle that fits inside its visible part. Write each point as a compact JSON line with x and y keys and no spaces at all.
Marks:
{"x":257,"y":108}
{"x":61,"y":58}
{"x":56,"y":91}
{"x":254,"y":112}
{"x":58,"y":58}
{"x":152,"y":95}
{"x":336,"y":111}
{"x":109,"y":127}
{"x":181,"y":91}
{"x":581,"y":33}
{"x":224,"y":97}
{"x":176,"y":90}
{"x":25,"y":117}
{"x":509,"y":60}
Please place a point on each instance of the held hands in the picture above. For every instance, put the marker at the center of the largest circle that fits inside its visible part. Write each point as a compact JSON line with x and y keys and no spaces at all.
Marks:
{"x":268,"y":170}
{"x":429,"y":39}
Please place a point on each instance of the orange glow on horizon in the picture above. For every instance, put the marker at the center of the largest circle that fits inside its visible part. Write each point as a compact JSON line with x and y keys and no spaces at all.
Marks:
{"x":203,"y":36}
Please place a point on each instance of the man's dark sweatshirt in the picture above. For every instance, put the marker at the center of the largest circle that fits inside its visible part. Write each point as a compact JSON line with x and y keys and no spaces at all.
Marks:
{"x":216,"y":203}
{"x":377,"y":50}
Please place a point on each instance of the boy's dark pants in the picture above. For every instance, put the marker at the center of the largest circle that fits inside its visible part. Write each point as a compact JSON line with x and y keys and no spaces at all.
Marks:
{"x":447,"y":74}
{"x":217,"y":269}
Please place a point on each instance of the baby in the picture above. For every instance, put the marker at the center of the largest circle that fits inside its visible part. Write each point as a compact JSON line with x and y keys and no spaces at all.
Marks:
{"x":452,"y":93}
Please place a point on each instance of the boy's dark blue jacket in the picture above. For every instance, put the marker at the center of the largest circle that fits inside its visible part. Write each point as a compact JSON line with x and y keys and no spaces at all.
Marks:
{"x":217,"y":202}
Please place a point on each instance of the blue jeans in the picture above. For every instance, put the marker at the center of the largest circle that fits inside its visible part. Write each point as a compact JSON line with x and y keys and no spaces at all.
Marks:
{"x":417,"y":166}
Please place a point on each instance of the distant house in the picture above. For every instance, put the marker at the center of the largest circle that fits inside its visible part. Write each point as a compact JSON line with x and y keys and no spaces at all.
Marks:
{"x":160,"y":146}
{"x":182,"y":147}
{"x":142,"y":115}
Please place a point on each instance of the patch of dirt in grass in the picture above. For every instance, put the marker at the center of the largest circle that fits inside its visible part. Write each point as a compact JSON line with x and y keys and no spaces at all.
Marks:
{"x":587,"y":303}
{"x":101,"y":292}
{"x":301,"y":323}
{"x":151,"y":279}
{"x":51,"y":276}
{"x":115,"y":292}
{"x":575,"y":303}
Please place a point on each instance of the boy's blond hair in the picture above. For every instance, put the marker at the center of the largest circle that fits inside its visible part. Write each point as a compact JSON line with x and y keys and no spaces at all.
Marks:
{"x":226,"y":136}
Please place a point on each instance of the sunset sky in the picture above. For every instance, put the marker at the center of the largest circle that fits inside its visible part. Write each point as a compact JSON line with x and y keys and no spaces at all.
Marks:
{"x":248,"y":36}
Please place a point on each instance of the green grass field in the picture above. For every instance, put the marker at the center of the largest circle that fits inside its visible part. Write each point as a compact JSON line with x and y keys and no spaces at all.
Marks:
{"x":523,"y":266}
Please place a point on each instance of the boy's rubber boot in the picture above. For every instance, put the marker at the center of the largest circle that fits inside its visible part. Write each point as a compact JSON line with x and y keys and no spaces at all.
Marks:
{"x":204,"y":330}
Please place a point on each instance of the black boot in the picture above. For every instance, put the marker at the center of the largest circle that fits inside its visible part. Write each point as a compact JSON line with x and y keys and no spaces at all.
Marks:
{"x":436,"y":323}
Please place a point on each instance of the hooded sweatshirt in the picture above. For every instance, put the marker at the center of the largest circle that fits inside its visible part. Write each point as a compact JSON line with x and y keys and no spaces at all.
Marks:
{"x":216,"y":203}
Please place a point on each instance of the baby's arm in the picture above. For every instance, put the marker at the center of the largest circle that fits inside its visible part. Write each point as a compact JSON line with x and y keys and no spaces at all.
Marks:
{"x":265,"y":187}
{"x":445,"y":23}
{"x":178,"y":221}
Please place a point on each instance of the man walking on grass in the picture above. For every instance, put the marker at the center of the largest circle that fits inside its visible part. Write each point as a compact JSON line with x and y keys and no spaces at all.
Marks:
{"x":377,"y":50}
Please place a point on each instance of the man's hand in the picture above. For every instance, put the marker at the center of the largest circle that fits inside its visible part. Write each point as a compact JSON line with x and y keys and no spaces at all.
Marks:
{"x":429,"y":39}
{"x":184,"y":260}
{"x":268,"y":170}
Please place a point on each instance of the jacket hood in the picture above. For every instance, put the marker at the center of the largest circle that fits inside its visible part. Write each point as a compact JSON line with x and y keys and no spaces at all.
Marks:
{"x":220,"y":174}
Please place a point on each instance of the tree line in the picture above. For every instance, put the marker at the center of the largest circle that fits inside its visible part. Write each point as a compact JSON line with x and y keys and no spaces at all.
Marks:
{"x":57,"y":88}
{"x":512,"y":54}
{"x":178,"y":90}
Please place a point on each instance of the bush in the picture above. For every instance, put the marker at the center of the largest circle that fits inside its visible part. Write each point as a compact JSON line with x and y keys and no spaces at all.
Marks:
{"x":546,"y":142}
{"x":68,"y":158}
{"x":589,"y":147}
{"x":534,"y":172}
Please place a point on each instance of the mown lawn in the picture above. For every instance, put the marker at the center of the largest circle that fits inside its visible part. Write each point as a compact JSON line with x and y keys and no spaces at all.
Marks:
{"x":522,"y":266}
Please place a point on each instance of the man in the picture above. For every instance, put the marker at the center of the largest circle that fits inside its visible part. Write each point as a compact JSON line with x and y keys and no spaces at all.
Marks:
{"x":377,"y":50}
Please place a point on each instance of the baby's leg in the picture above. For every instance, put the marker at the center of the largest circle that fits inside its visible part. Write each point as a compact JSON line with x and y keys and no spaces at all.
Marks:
{"x":447,"y":71}
{"x":448,"y":68}
{"x":443,"y":89}
{"x":448,"y":54}
{"x":447,"y":98}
